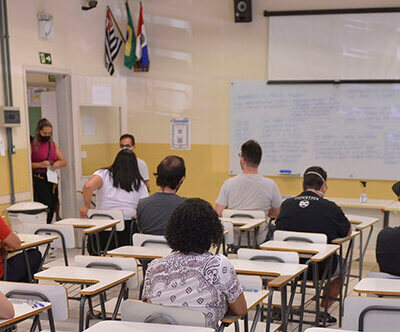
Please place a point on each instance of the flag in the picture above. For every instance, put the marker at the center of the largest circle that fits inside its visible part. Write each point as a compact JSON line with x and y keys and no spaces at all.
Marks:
{"x":130,"y":44}
{"x":112,"y":44}
{"x":142,"y":54}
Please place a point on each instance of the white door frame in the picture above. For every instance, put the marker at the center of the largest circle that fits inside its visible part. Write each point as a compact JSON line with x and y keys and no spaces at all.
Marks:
{"x":64,"y":103}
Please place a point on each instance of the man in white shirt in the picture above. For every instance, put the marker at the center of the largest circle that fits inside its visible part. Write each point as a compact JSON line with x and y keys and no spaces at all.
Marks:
{"x":249,"y":190}
{"x":127,"y":141}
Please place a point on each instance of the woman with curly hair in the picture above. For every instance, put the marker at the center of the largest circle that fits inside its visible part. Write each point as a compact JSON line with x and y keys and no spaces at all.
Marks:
{"x":191,"y":276}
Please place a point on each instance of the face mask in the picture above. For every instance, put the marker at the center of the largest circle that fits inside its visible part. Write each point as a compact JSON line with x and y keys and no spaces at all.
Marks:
{"x":44,"y":138}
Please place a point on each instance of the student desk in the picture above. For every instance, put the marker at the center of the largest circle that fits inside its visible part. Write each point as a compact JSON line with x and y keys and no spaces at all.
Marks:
{"x":24,"y":310}
{"x":362,"y":223}
{"x":140,"y":252}
{"x":385,"y":205}
{"x":393,"y":207}
{"x":285,"y":273}
{"x":123,"y":326}
{"x":320,"y":252}
{"x":246,"y":225}
{"x":92,"y":228}
{"x":378,"y":286}
{"x":99,"y":280}
{"x":29,"y":241}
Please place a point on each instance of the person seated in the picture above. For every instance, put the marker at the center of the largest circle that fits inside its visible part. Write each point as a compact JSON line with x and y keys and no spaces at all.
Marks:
{"x":250,"y":191}
{"x":192,"y":277}
{"x":6,"y":308}
{"x":154,"y":211}
{"x":388,"y":250}
{"x":311,"y":212}
{"x":16,"y":266}
{"x":118,"y":187}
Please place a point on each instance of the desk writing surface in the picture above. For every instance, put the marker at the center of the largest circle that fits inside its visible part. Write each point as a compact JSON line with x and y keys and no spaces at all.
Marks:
{"x":101,"y":279}
{"x":361,"y":222}
{"x":33,"y":240}
{"x":321,"y":251}
{"x":23,"y":310}
{"x":267,"y":268}
{"x":140,"y":252}
{"x":123,"y":326}
{"x":242,"y":221}
{"x":93,"y":225}
{"x":378,"y":286}
{"x":355,"y":203}
{"x":393,"y":207}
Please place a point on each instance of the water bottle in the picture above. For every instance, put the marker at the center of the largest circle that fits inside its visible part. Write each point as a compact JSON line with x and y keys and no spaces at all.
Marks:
{"x":363,"y":196}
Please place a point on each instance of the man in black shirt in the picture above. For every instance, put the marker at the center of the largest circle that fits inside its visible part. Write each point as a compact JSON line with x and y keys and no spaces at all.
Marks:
{"x":311,"y":212}
{"x":388,"y":250}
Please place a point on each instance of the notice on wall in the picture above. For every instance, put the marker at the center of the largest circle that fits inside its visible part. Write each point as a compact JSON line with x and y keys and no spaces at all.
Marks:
{"x":2,"y":146}
{"x":89,"y":126}
{"x":101,"y":95}
{"x":180,"y":134}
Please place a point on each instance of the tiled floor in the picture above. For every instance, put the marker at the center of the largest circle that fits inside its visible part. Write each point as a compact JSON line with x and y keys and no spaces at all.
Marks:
{"x":72,"y":323}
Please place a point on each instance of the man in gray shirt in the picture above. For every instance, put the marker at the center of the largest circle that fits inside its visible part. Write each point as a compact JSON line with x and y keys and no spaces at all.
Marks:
{"x":153,"y":212}
{"x":249,"y":190}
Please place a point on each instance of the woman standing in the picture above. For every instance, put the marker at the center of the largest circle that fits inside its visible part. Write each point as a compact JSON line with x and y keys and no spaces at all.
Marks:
{"x":46,"y":158}
{"x":118,"y":187}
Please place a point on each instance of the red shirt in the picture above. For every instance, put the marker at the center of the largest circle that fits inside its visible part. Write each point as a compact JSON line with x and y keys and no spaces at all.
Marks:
{"x":5,"y":231}
{"x":41,"y":154}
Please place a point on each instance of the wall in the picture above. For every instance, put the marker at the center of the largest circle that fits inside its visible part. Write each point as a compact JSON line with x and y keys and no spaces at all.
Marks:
{"x":195,"y":50}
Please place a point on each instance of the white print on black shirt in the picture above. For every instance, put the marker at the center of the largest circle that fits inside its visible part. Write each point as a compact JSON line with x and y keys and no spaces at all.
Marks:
{"x":303,"y":204}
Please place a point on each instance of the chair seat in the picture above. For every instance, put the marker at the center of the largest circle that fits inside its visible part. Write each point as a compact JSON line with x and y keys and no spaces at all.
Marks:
{"x":276,"y":300}
{"x":110,"y":305}
{"x":259,"y":328}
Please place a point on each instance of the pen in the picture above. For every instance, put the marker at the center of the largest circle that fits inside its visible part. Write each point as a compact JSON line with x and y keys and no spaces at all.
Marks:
{"x":251,"y":290}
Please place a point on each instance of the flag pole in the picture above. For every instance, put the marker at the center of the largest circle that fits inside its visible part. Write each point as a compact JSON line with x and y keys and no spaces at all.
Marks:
{"x":116,"y":24}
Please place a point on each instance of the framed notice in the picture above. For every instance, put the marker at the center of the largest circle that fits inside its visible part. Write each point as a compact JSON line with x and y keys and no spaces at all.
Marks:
{"x":180,"y":134}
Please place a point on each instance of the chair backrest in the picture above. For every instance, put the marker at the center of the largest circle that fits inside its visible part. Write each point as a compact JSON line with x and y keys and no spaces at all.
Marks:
{"x":228,"y":227}
{"x":268,"y":255}
{"x":382,"y":275}
{"x":149,"y":240}
{"x":56,"y":294}
{"x":300,"y":237}
{"x":67,"y":232}
{"x":137,"y":311}
{"x":253,"y":214}
{"x":250,"y":282}
{"x":376,"y":314}
{"x":108,"y":214}
{"x":106,"y":262}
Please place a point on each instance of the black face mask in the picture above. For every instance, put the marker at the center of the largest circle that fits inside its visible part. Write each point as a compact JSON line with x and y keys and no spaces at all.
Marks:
{"x":44,"y":138}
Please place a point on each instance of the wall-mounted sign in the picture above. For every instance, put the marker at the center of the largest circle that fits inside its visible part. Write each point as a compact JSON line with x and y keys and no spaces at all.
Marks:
{"x":45,"y":58}
{"x":180,"y":134}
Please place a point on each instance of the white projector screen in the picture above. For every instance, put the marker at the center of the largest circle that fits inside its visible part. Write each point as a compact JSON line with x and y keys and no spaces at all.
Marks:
{"x":342,"y":46}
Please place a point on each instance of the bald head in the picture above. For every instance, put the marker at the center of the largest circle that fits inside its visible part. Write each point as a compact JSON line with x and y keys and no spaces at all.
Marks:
{"x":170,"y":172}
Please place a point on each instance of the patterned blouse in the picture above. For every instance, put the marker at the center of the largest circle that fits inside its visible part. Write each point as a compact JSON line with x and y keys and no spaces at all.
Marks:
{"x":203,"y":282}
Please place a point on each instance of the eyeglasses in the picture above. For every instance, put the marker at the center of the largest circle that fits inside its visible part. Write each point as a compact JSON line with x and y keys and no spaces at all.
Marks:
{"x":126,"y":146}
{"x":240,"y":155}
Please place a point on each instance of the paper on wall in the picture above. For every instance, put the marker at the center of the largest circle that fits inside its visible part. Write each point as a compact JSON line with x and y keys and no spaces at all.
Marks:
{"x":52,"y":176}
{"x":101,"y":95}
{"x":89,"y":126}
{"x":180,"y":134}
{"x":2,"y":146}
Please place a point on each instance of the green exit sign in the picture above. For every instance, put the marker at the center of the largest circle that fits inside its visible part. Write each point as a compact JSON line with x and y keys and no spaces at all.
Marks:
{"x":45,"y":58}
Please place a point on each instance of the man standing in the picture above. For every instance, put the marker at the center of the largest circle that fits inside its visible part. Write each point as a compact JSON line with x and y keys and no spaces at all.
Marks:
{"x":249,"y":190}
{"x":127,"y":141}
{"x":311,"y":212}
{"x":154,"y":212}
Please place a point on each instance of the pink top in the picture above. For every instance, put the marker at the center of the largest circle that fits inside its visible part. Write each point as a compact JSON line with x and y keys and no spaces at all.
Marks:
{"x":41,"y":154}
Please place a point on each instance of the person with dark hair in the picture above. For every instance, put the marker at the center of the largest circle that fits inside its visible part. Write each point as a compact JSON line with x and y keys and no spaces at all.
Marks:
{"x":118,"y":187}
{"x":388,"y":250}
{"x":192,"y":277}
{"x":249,"y":190}
{"x":311,"y":212}
{"x":46,"y":156}
{"x":154,"y":212}
{"x":127,"y":141}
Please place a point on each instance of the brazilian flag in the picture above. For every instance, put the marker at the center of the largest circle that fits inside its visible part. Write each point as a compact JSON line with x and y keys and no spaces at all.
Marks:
{"x":130,"y":44}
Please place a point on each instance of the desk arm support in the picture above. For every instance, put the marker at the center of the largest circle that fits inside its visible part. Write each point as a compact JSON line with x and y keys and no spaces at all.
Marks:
{"x":280,"y":281}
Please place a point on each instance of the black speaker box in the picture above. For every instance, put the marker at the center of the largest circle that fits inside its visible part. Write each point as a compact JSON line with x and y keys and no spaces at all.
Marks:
{"x":242,"y":11}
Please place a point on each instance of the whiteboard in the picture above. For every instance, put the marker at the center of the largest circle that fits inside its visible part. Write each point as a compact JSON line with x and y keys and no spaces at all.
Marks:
{"x":351,"y":130}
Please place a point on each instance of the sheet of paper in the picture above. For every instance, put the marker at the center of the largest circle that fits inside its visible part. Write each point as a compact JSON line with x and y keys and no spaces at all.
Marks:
{"x":89,"y":126}
{"x":2,"y":146}
{"x":101,"y":95}
{"x":180,"y":134}
{"x":52,"y":176}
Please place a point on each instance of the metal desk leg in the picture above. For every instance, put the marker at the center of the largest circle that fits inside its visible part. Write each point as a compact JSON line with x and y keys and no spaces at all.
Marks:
{"x":317,"y":292}
{"x":386,"y":215}
{"x":51,"y":320}
{"x":255,"y":237}
{"x":246,"y":323}
{"x":361,"y":259}
{"x":284,"y":309}
{"x":113,"y":232}
{"x":269,"y":309}
{"x":256,"y":317}
{"x":83,"y":243}
{"x":119,"y":300}
{"x":82,"y":312}
{"x":28,"y":266}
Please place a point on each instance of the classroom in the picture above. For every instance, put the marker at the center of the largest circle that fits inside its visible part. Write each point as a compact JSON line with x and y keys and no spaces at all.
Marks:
{"x":202,"y":63}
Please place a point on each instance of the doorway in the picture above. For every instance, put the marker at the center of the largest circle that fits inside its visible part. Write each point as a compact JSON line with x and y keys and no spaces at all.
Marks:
{"x":48,"y":95}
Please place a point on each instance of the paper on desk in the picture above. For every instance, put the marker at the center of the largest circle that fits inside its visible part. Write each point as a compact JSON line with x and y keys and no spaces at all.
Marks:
{"x":52,"y":176}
